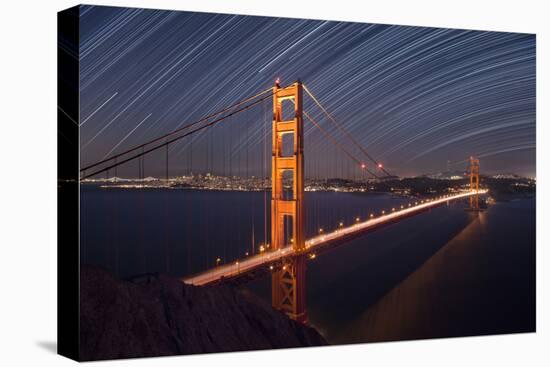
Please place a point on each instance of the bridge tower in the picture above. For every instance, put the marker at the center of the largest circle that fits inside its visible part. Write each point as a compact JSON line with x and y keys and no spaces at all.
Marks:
{"x":288,"y":283}
{"x":474,"y":183}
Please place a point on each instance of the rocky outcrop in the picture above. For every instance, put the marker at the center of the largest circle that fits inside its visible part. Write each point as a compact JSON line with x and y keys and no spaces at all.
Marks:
{"x":159,"y":316}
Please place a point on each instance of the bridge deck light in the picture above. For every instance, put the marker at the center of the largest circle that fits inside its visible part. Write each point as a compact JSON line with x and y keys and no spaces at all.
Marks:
{"x":341,"y":224}
{"x":383,"y":211}
{"x":320,"y":230}
{"x":357,"y":219}
{"x":372,"y":215}
{"x":270,"y":267}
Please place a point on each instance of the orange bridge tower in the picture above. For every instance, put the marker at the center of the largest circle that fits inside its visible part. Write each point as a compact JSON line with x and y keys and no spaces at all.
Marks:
{"x":474,"y":183}
{"x":288,"y":282}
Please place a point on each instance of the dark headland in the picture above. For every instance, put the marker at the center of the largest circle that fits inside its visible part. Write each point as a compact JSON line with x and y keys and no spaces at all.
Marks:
{"x":158,"y":315}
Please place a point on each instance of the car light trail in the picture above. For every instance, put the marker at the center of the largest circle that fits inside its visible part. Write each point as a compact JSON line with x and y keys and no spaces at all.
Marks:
{"x":262,"y":259}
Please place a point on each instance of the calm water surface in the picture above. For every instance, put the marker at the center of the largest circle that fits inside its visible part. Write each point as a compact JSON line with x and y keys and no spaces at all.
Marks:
{"x":356,"y":292}
{"x":184,"y":231}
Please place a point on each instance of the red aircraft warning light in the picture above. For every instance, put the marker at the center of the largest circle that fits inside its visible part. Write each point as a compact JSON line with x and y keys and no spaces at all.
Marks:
{"x":379,"y":165}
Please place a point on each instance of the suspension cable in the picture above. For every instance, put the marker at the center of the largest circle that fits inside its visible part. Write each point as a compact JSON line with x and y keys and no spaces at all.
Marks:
{"x":337,"y":144}
{"x":344,"y":130}
{"x":144,"y":152}
{"x":177,"y":130}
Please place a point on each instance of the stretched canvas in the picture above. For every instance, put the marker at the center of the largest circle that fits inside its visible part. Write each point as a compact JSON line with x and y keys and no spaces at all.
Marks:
{"x":235,"y":183}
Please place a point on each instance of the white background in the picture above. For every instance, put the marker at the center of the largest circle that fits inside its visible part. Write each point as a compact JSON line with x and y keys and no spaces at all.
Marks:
{"x":28,"y":181}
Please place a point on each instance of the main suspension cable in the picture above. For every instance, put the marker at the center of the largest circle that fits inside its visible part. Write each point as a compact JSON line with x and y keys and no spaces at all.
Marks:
{"x":345,"y":131}
{"x":337,"y":144}
{"x":177,"y":130}
{"x":144,"y":152}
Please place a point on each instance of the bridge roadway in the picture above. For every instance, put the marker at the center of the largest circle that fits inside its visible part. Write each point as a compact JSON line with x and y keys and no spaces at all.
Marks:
{"x":265,"y":259}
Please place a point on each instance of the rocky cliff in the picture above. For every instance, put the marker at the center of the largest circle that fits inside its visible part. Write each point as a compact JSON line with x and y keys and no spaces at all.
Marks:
{"x":158,"y":315}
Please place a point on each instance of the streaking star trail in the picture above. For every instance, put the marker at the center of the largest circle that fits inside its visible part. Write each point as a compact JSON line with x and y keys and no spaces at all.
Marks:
{"x":427,"y":94}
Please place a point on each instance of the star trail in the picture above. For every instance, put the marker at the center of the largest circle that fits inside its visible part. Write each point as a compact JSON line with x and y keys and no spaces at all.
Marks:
{"x":415,"y":97}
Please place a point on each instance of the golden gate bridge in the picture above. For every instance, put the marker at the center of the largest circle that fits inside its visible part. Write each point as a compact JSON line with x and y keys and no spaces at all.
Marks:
{"x":286,"y":252}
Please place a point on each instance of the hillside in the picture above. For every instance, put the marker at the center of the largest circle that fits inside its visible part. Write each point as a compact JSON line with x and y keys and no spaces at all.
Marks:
{"x":159,"y":316}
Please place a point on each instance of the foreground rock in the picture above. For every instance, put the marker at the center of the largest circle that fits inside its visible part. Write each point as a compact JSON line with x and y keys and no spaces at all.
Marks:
{"x":158,"y":315}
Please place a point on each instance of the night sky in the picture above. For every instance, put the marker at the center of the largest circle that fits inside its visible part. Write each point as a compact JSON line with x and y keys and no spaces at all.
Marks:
{"x":419,"y":99}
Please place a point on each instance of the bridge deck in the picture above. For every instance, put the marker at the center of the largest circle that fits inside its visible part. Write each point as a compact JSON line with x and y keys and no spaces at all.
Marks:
{"x":265,"y":259}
